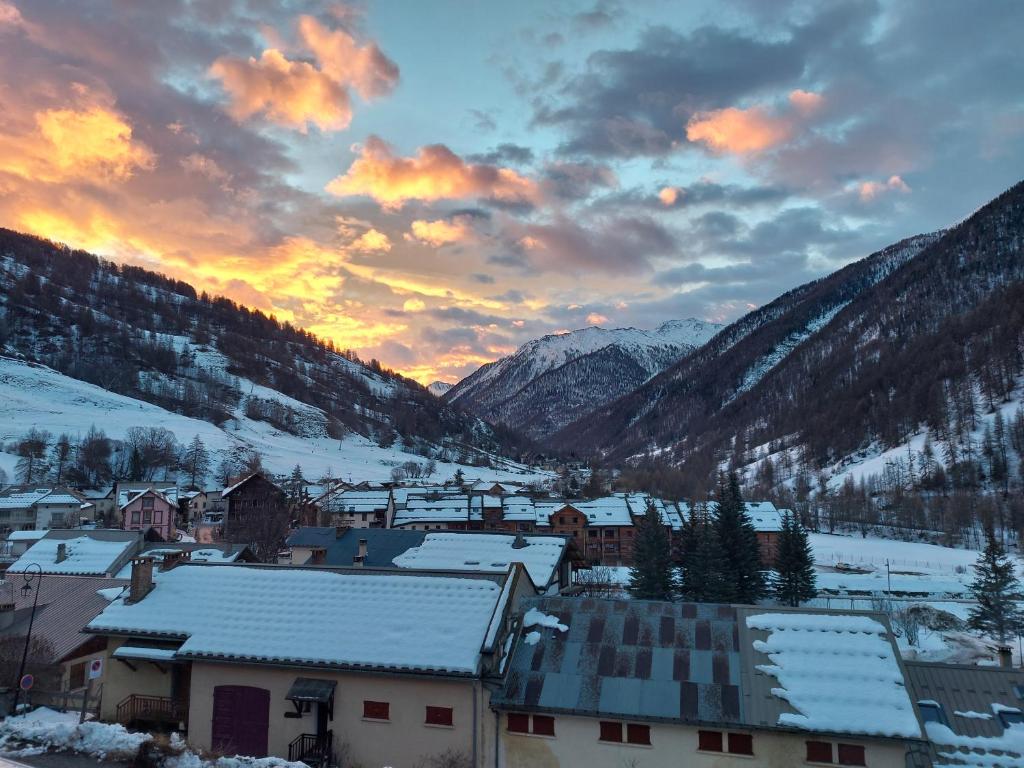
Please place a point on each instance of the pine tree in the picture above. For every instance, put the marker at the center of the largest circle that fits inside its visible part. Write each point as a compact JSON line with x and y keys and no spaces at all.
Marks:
{"x":296,"y":482}
{"x":794,"y":564}
{"x":196,"y":461}
{"x":700,"y":578}
{"x":997,"y":591}
{"x":650,"y":578}
{"x":742,"y":577}
{"x":459,"y":477}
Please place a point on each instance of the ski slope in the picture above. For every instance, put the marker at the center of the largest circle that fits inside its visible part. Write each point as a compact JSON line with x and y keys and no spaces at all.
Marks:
{"x":36,"y":396}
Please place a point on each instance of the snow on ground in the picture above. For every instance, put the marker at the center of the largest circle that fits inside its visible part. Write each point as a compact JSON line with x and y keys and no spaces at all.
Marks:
{"x":37,"y":396}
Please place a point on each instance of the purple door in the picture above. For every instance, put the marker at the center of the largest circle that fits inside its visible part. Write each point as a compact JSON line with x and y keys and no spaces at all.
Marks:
{"x":241,"y":719}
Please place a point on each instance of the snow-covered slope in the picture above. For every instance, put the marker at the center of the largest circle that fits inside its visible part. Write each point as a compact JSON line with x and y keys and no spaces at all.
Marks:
{"x":588,"y":366}
{"x":439,"y":388}
{"x":36,"y":396}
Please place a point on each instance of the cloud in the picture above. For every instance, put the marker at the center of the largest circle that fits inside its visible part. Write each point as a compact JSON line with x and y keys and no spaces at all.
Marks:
{"x":289,"y":93}
{"x":343,"y":60}
{"x":869,"y":190}
{"x":371,"y":240}
{"x":92,"y":143}
{"x":440,"y":232}
{"x":669,"y":196}
{"x":434,"y":173}
{"x":744,"y":131}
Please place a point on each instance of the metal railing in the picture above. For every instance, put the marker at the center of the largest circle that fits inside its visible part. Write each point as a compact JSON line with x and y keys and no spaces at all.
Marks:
{"x":316,"y":751}
{"x":153,"y":709}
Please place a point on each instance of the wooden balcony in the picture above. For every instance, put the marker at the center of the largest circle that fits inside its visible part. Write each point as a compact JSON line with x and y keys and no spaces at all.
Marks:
{"x":151,"y":709}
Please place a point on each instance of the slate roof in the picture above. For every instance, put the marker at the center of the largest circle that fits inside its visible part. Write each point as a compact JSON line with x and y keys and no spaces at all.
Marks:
{"x":383,"y":545}
{"x":312,"y":536}
{"x":641,"y":660}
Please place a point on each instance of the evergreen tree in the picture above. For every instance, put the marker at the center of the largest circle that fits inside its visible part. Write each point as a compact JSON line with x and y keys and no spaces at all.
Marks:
{"x":195,"y":460}
{"x":997,"y":591}
{"x":742,"y":577}
{"x":700,"y":578}
{"x":794,"y":564}
{"x":296,"y":482}
{"x":459,"y":477}
{"x":650,"y":578}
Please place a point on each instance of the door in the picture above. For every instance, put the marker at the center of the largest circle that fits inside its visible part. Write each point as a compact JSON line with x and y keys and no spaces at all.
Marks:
{"x":241,"y":719}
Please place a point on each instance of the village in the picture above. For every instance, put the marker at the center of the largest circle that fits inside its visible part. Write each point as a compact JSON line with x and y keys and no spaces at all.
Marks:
{"x":472,"y":623}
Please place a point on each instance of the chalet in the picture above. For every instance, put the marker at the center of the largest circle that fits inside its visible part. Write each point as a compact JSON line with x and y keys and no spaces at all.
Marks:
{"x":150,"y":509}
{"x":548,"y":559}
{"x":98,"y":552}
{"x":356,"y":509}
{"x":251,"y":498}
{"x":606,"y":683}
{"x":388,"y":666}
{"x":26,"y":507}
{"x":103,"y":500}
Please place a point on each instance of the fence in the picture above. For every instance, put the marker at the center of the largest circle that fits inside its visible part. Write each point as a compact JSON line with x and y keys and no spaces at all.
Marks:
{"x":69,"y":701}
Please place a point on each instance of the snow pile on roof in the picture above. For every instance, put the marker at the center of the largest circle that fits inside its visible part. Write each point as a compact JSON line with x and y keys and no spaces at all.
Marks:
{"x":982,"y":751}
{"x":839,"y":673}
{"x":60,"y":730}
{"x":487,"y":552}
{"x":393,"y":621}
{"x":85,"y":556}
{"x":535,"y":618}
{"x":22,"y":499}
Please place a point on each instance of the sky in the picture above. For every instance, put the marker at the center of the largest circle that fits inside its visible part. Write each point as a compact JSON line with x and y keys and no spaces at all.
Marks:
{"x":434,"y":184}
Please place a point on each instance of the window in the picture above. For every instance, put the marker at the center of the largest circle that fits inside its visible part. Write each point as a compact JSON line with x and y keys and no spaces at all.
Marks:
{"x":364,"y":517}
{"x":638,"y":734}
{"x":76,"y":676}
{"x":135,"y":518}
{"x":609,"y":533}
{"x":819,"y":752}
{"x":440,"y":716}
{"x":592,"y":534}
{"x":561,"y":519}
{"x":611,"y":731}
{"x":543,"y":725}
{"x":851,"y":754}
{"x":741,"y":744}
{"x":575,"y":520}
{"x":147,"y":516}
{"x":1010,"y":716}
{"x":376,"y":710}
{"x":709,"y":741}
{"x":931,"y":712}
{"x":518,"y":723}
{"x":147,"y":503}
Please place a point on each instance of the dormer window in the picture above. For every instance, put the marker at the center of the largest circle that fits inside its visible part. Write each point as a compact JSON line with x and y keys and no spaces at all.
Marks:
{"x":931,"y":712}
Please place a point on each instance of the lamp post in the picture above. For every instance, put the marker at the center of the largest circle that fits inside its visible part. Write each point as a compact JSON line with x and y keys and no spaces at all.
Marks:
{"x":33,"y":573}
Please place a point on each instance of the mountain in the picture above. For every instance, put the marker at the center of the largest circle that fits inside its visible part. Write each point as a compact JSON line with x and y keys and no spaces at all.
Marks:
{"x":85,"y":340}
{"x":439,"y":388}
{"x":924,"y":336}
{"x":549,"y":382}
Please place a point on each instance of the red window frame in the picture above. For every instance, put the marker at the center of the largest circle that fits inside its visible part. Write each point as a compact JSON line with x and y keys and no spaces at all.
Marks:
{"x":741,"y":744}
{"x":637,"y":733}
{"x":516,"y":722}
{"x":376,"y":710}
{"x":709,"y":741}
{"x":611,"y":730}
{"x":851,"y":754}
{"x":819,"y":751}
{"x":543,"y":725}
{"x":440,"y":716}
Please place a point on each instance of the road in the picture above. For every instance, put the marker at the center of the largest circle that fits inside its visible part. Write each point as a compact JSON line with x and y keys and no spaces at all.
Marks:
{"x":57,"y":760}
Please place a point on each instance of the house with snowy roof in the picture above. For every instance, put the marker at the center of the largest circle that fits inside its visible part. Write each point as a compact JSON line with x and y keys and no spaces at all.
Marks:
{"x":73,"y":552}
{"x":549,"y":559}
{"x":612,"y":682}
{"x":251,"y":498}
{"x":26,"y":507}
{"x":149,"y":510}
{"x":299,"y":663}
{"x":356,"y":509}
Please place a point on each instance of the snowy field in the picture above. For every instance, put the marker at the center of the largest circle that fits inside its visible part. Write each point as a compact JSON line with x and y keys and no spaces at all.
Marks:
{"x":36,"y":396}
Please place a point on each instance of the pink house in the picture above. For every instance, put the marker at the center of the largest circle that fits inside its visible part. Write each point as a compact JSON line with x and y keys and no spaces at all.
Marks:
{"x":149,"y":509}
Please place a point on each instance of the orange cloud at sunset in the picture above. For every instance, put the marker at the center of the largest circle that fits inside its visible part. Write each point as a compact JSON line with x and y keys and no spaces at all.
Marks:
{"x":744,"y":131}
{"x":372,"y":240}
{"x":669,"y":196}
{"x":435,"y":173}
{"x":869,"y":190}
{"x":341,"y":58}
{"x":440,"y":232}
{"x":93,"y":143}
{"x":290,"y":93}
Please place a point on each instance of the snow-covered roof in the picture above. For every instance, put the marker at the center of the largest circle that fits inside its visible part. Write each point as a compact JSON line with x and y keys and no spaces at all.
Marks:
{"x":26,"y":535}
{"x":609,"y":510}
{"x":840,"y":673}
{"x":445,"y":509}
{"x":487,"y":552}
{"x":23,"y":498}
{"x":85,"y":556}
{"x":392,"y":621}
{"x":354,"y":501}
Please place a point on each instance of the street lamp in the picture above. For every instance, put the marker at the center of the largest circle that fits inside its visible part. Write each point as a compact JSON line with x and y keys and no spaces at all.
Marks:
{"x":33,"y":573}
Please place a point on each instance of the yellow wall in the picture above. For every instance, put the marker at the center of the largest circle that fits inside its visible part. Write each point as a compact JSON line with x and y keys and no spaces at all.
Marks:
{"x":576,"y":745}
{"x":121,"y":681}
{"x":400,"y":743}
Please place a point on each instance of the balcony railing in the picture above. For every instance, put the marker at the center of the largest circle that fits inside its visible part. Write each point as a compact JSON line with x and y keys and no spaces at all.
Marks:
{"x":316,"y":751}
{"x":150,"y":709}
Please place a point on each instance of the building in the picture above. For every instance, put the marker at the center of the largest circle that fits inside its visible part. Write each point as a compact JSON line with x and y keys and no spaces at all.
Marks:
{"x":98,"y":552}
{"x":356,"y":509}
{"x":380,"y":667}
{"x":548,"y":559}
{"x":150,"y":510}
{"x":251,"y":499}
{"x":606,"y":683}
{"x":27,"y":507}
{"x":972,"y":715}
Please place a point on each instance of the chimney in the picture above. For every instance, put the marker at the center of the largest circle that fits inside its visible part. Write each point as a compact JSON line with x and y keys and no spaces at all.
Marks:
{"x":6,"y":605}
{"x":520,"y":542}
{"x":173,"y":559}
{"x":62,"y":552}
{"x":142,"y":579}
{"x":361,"y":557}
{"x":1005,"y":656}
